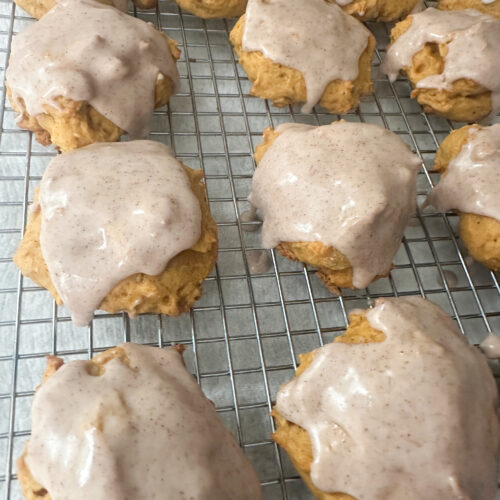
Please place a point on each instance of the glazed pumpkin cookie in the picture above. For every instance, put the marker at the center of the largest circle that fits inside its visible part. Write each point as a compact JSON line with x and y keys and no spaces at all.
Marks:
{"x":469,"y":159}
{"x":132,"y":423}
{"x":120,"y":227}
{"x":399,"y":407}
{"x":491,"y":7}
{"x":209,"y":9}
{"x":379,"y":10}
{"x":451,"y":58}
{"x":337,"y":197}
{"x":87,"y":72}
{"x":38,"y":8}
{"x":306,"y":60}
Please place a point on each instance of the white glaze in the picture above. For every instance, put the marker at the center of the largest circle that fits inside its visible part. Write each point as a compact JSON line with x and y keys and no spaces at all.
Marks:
{"x":111,"y":210}
{"x":348,"y":185}
{"x":471,"y":183}
{"x":472,"y":39}
{"x":86,"y":51}
{"x":136,"y":433}
{"x":409,"y":418}
{"x":119,"y":4}
{"x":315,"y":37}
{"x":491,"y":346}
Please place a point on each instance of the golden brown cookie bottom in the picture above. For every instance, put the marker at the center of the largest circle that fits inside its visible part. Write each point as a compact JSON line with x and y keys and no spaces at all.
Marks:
{"x":465,"y":101}
{"x":172,"y":292}
{"x":492,"y":9}
{"x":286,"y":86}
{"x":334,"y":268}
{"x":209,"y":9}
{"x":293,"y":438}
{"x":32,"y":490}
{"x":74,"y":124}
{"x":480,"y":234}
{"x":380,"y":10}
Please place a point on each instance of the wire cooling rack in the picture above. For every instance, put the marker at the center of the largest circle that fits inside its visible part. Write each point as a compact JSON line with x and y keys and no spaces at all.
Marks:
{"x":245,"y":334}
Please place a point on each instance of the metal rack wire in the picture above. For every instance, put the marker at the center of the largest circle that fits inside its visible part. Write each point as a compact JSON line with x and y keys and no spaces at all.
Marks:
{"x":245,"y":334}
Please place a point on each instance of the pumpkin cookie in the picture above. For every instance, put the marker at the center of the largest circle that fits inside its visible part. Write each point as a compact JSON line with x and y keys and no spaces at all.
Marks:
{"x":451,"y":58}
{"x":469,"y":161}
{"x":120,"y":227}
{"x":208,"y":9}
{"x":130,"y":423}
{"x":87,"y":72}
{"x":38,"y":8}
{"x":379,"y":10}
{"x":337,"y":197}
{"x":306,"y":60}
{"x":400,"y":406}
{"x":491,"y":8}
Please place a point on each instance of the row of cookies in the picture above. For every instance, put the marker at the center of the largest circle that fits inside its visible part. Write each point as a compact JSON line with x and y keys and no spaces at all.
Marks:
{"x":139,"y":237}
{"x":364,"y":10}
{"x":85,"y":72}
{"x":400,"y":406}
{"x":203,"y":8}
{"x":449,"y":56}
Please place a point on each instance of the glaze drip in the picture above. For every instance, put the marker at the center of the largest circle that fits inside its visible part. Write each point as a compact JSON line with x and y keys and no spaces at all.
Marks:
{"x":315,"y":37}
{"x":411,"y":417}
{"x":472,"y":180}
{"x":111,"y":210}
{"x":491,"y":346}
{"x":348,"y":185}
{"x":142,"y":430}
{"x":86,"y":51}
{"x":472,"y":40}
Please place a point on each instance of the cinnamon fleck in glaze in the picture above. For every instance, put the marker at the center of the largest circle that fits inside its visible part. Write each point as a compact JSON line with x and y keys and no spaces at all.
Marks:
{"x":409,"y":418}
{"x":472,"y":40}
{"x":138,"y":431}
{"x":109,"y":211}
{"x":347,"y":185}
{"x":315,"y":37}
{"x":87,"y":51}
{"x":471,"y":183}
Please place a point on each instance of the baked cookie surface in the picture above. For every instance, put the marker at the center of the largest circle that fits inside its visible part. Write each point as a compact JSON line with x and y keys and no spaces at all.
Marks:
{"x":87,"y":72}
{"x":379,"y":10}
{"x":209,"y":9}
{"x":133,"y":422}
{"x":38,"y":8}
{"x":339,"y":204}
{"x":451,"y":60}
{"x":176,"y":284}
{"x":472,"y":154}
{"x":350,"y":424}
{"x":301,"y":64}
{"x":491,"y":8}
